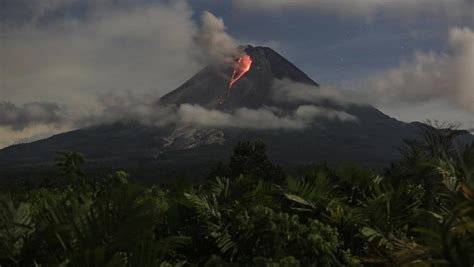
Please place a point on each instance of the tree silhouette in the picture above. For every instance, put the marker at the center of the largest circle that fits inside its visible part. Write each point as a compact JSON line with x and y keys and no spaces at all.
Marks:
{"x":70,"y":166}
{"x":249,"y":159}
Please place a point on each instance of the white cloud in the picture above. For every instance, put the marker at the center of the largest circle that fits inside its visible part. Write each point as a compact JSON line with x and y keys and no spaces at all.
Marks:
{"x":263,"y":118}
{"x":429,"y":77}
{"x":127,"y":106}
{"x":241,"y":118}
{"x":452,"y":8}
{"x":143,"y":109}
{"x":130,"y":107}
{"x":310,"y":112}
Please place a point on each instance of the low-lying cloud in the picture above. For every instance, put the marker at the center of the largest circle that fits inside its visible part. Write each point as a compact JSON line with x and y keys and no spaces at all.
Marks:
{"x":263,"y":118}
{"x":30,"y":114}
{"x":429,"y":77}
{"x":132,"y":108}
{"x":143,"y":109}
{"x":43,"y":119}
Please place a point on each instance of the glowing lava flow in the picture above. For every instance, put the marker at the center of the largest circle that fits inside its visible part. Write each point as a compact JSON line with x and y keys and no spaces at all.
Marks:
{"x":240,"y":68}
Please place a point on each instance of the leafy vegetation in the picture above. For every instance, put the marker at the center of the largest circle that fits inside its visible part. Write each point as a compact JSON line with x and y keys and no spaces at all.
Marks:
{"x":417,"y":212}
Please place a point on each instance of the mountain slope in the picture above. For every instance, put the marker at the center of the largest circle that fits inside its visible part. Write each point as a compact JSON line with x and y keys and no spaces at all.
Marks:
{"x":153,"y":152}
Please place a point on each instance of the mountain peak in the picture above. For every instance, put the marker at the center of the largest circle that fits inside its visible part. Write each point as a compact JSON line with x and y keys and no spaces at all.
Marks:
{"x":280,"y":67}
{"x":210,"y":87}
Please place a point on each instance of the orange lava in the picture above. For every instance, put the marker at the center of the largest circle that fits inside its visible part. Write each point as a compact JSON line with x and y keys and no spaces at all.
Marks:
{"x":241,"y":67}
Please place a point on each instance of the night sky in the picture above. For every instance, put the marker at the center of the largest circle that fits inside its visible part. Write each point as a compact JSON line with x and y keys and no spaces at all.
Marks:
{"x":412,"y":59}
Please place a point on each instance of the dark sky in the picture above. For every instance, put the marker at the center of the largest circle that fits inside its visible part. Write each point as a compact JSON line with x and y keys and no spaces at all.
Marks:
{"x":336,"y":48}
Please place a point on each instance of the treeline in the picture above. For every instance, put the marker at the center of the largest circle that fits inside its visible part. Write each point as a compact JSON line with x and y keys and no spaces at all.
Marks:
{"x":419,"y":211}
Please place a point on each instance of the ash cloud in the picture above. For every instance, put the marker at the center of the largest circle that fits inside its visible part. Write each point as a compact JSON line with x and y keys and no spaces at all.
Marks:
{"x":30,"y":114}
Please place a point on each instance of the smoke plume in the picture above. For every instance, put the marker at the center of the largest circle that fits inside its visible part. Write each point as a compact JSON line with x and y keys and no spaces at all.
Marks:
{"x":216,"y":44}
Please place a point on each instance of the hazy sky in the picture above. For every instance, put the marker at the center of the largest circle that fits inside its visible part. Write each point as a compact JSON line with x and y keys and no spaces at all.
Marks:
{"x":59,"y":59}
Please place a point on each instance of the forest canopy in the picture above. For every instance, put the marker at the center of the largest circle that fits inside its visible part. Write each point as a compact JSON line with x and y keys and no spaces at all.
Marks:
{"x":419,"y":211}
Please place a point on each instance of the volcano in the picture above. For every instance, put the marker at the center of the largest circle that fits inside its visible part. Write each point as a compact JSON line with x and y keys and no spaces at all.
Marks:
{"x":253,"y":90}
{"x":156,"y":152}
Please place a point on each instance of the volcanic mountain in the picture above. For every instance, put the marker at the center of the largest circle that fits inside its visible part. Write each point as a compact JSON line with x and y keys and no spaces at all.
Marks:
{"x":152,"y":152}
{"x":253,"y":90}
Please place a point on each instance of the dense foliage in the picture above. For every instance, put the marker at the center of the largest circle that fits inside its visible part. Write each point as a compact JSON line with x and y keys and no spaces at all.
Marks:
{"x":417,"y":212}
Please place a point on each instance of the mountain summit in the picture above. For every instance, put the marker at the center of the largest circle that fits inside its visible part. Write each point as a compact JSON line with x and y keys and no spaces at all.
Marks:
{"x":148,"y":151}
{"x":253,"y":90}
